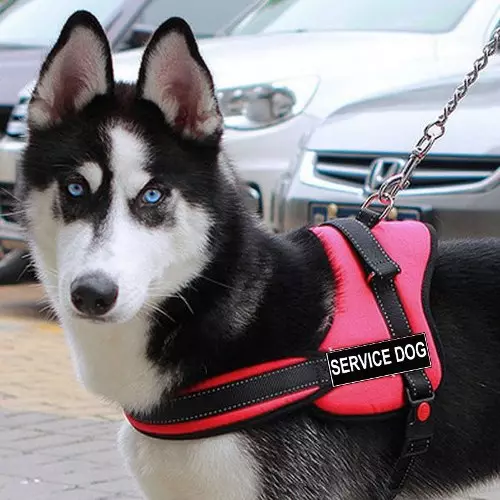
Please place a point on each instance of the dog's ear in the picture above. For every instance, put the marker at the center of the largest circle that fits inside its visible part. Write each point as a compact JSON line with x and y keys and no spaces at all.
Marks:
{"x":174,"y":76}
{"x":77,"y":69}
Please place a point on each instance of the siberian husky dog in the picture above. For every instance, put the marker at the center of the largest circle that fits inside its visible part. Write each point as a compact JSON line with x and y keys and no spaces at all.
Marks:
{"x":161,"y":278}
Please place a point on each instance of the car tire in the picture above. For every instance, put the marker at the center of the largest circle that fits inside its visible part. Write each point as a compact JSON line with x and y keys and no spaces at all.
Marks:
{"x":15,"y":268}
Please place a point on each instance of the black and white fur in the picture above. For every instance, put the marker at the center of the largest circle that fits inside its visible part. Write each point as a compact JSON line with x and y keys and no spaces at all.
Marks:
{"x":203,"y":289}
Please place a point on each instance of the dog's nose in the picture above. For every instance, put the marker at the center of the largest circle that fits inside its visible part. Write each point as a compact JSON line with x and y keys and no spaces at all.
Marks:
{"x":94,"y":294}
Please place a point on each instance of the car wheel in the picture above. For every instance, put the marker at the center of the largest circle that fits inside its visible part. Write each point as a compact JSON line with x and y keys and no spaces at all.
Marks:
{"x":15,"y":268}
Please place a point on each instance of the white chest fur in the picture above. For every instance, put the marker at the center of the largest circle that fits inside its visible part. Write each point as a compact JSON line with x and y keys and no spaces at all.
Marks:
{"x":218,"y":468}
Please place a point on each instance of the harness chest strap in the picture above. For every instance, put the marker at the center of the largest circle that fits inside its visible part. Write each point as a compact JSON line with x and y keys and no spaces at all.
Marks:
{"x":224,"y":403}
{"x":251,"y":395}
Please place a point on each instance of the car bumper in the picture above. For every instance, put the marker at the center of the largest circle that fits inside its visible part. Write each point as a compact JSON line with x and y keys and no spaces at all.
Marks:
{"x":454,"y":215}
{"x":10,"y":152}
{"x":11,"y":234}
{"x":261,"y":156}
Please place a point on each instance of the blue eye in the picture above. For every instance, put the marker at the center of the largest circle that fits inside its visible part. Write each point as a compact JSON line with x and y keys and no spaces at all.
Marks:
{"x":76,"y":190}
{"x":152,"y":196}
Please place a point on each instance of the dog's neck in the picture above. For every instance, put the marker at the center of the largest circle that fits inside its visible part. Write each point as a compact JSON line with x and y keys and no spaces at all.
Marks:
{"x":262,"y":297}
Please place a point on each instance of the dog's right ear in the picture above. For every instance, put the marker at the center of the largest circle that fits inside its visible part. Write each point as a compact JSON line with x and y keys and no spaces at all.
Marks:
{"x":77,"y":69}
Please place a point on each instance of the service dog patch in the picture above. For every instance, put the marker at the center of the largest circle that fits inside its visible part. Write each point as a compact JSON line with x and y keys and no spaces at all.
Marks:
{"x":379,"y":359}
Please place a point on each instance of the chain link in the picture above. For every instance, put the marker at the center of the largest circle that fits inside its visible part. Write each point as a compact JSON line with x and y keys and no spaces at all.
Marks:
{"x":388,"y":191}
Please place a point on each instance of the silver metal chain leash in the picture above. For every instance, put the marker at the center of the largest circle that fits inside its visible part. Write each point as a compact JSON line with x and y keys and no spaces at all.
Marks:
{"x":386,"y":195}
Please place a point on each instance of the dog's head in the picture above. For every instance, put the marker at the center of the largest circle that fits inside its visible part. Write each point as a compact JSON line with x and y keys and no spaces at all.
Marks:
{"x":120,"y":182}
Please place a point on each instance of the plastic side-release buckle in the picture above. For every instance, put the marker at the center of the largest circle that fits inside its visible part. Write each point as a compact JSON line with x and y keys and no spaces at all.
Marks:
{"x":419,"y":426}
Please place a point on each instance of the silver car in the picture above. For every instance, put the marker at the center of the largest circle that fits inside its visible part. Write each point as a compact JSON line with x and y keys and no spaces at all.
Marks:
{"x":345,"y":159}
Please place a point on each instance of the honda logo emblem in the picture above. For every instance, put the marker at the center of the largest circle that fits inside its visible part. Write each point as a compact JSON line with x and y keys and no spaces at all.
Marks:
{"x":380,"y":170}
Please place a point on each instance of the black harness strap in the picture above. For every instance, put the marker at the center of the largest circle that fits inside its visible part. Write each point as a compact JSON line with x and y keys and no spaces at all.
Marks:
{"x":374,"y":258}
{"x":380,"y":271}
{"x":243,"y":393}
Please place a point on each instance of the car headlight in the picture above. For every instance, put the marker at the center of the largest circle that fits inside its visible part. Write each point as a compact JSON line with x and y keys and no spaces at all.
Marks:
{"x":244,"y":108}
{"x":262,"y":105}
{"x":17,"y":125}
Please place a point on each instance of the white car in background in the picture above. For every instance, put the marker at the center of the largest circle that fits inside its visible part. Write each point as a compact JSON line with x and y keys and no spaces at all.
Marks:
{"x":287,"y":64}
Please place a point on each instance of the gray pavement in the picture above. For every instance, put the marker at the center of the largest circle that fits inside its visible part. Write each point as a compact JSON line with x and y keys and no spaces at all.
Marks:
{"x":57,"y":441}
{"x":43,"y":456}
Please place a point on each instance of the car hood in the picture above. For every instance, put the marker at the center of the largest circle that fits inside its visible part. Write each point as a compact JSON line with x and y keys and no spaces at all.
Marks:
{"x":17,"y":66}
{"x":393,"y":123}
{"x":245,"y":60}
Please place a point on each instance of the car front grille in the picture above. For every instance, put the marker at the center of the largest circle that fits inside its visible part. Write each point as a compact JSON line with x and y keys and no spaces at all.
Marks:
{"x":434,"y":171}
{"x":8,"y":204}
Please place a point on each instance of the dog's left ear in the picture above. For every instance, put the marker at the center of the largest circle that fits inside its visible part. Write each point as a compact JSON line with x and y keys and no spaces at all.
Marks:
{"x":174,"y":76}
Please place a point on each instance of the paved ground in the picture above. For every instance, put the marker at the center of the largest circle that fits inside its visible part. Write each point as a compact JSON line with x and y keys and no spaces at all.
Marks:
{"x":56,"y":441}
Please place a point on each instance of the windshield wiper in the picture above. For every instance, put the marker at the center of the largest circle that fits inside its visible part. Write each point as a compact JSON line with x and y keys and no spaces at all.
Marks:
{"x":269,"y":33}
{"x":204,"y":35}
{"x":18,"y":46}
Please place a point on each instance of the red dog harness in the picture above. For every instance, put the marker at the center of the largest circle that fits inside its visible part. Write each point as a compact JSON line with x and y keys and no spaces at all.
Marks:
{"x":382,"y":274}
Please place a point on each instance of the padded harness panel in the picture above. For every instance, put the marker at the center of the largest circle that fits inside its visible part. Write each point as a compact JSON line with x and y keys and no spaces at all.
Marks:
{"x":359,"y":320}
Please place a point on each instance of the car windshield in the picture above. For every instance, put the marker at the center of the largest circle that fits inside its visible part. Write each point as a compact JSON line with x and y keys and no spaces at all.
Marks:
{"x":422,"y":16}
{"x":206,"y":17}
{"x":37,"y":23}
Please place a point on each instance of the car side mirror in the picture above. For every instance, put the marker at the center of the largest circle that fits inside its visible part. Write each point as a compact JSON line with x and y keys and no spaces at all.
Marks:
{"x":139,"y":35}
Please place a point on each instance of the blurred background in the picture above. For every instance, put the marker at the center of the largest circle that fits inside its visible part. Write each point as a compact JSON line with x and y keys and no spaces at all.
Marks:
{"x":322,"y":100}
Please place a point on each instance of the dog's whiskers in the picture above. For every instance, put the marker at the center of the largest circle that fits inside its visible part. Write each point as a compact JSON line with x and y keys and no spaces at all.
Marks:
{"x":150,"y":316}
{"x":48,"y":310}
{"x":229,"y":287}
{"x":7,"y":192}
{"x":28,"y":266}
{"x":180,"y":296}
{"x":48,"y":286}
{"x":159,"y":310}
{"x":47,"y":270}
{"x":10,"y":214}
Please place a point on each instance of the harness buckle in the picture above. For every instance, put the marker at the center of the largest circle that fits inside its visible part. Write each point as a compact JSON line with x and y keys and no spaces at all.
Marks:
{"x":419,"y":426}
